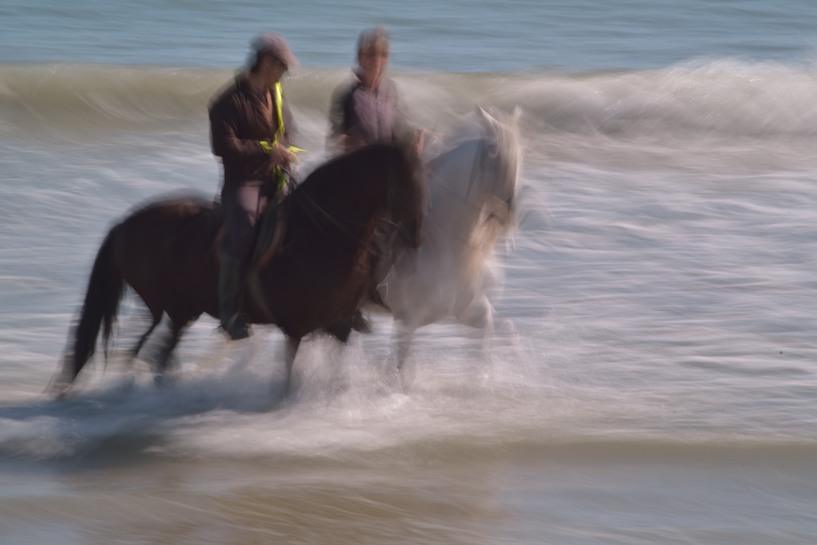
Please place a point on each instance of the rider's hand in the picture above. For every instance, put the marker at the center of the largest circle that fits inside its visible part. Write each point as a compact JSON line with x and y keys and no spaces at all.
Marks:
{"x":282,"y":156}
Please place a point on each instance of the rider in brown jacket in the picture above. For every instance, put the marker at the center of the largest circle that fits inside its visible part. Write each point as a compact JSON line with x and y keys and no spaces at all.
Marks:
{"x":250,"y":129}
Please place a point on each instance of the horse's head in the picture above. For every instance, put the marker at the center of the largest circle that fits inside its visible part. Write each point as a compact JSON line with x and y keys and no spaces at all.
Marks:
{"x":482,"y":168}
{"x":500,"y":163}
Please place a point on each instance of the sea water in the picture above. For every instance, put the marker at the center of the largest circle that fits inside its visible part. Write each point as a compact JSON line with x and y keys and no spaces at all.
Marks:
{"x":652,"y":379}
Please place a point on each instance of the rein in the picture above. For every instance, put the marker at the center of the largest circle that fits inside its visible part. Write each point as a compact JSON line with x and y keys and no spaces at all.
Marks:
{"x":316,"y":213}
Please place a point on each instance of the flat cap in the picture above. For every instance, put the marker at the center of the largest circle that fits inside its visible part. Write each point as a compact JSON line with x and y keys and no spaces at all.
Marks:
{"x":274,"y":45}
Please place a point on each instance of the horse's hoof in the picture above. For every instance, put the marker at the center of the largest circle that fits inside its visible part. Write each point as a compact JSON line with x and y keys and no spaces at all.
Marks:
{"x":60,"y":387}
{"x":405,"y":379}
{"x":164,"y":380}
{"x":60,"y":392}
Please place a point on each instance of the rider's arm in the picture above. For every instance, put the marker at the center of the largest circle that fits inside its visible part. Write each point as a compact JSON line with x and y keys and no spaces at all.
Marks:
{"x":337,"y":136}
{"x":224,"y":135}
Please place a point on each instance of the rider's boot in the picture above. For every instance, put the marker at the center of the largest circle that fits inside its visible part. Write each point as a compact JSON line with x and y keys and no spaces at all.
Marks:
{"x":231,"y":294}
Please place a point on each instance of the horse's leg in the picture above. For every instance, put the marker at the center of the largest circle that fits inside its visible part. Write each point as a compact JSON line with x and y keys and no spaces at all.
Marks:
{"x":134,"y":352}
{"x":163,"y":360}
{"x":292,"y":345}
{"x":480,"y":316}
{"x":403,"y":335}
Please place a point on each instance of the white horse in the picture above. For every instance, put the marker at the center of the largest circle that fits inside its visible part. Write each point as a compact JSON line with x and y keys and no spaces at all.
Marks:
{"x":472,"y":192}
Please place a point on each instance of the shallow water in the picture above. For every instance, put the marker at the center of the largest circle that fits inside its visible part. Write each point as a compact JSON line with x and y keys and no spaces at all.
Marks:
{"x":652,"y":376}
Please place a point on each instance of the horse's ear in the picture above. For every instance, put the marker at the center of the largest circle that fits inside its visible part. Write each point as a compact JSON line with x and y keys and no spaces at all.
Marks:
{"x":486,"y":117}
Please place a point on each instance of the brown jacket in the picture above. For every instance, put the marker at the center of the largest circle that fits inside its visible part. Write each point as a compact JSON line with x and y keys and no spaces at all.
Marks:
{"x":237,"y":126}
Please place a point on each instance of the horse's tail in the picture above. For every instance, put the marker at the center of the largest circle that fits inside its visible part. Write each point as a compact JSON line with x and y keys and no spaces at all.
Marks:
{"x":105,"y":289}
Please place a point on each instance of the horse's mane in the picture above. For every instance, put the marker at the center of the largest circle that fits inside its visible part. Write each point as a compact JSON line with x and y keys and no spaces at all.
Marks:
{"x":346,"y":162}
{"x":310,"y":199}
{"x":329,"y":179}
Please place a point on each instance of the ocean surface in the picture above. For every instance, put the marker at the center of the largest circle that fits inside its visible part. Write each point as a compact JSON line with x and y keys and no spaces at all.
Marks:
{"x":654,"y":378}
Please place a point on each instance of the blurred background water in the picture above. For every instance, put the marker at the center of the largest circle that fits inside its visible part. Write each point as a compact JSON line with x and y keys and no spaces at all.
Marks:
{"x":653,"y":380}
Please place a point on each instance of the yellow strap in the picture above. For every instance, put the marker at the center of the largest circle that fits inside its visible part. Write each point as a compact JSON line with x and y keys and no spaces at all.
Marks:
{"x":278,"y":173}
{"x":266,"y":147}
{"x":279,"y":108}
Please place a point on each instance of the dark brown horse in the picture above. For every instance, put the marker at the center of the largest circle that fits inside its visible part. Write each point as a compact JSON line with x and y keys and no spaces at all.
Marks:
{"x":316,"y":279}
